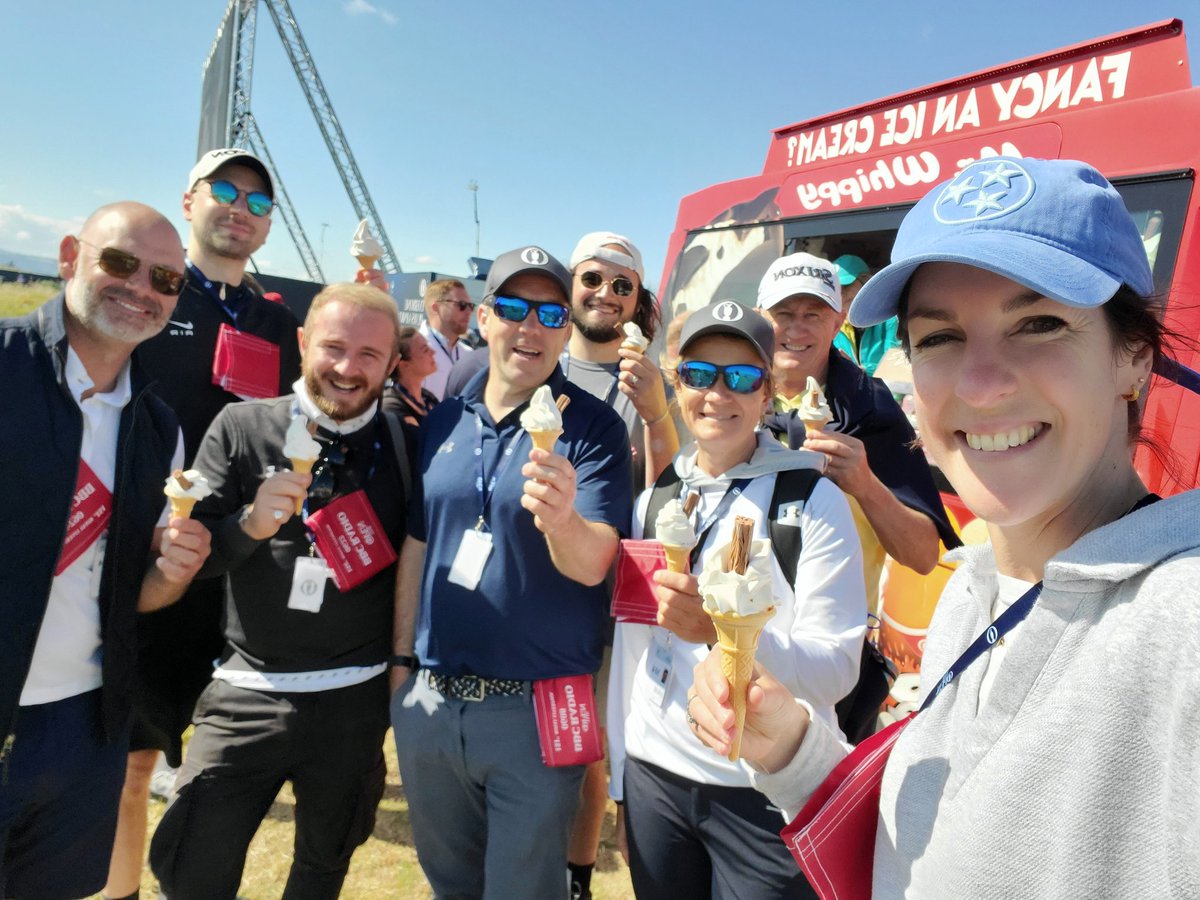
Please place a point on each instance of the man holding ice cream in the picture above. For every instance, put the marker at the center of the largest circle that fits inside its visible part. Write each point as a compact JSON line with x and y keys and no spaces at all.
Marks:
{"x":868,"y":443}
{"x":514,"y":544}
{"x":307,"y":510}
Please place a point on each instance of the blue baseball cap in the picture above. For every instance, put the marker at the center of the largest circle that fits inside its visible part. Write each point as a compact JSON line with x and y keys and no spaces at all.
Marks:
{"x":1055,"y":226}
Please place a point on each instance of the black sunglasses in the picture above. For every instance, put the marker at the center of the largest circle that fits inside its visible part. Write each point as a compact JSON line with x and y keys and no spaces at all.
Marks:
{"x":516,"y":309}
{"x":740,"y":378}
{"x":324,"y":480}
{"x":226,"y":193}
{"x":592,"y":280}
{"x":120,"y":264}
{"x":460,"y":305}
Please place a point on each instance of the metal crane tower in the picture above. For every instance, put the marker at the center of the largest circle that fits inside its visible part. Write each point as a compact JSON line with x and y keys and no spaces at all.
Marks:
{"x":226,"y":119}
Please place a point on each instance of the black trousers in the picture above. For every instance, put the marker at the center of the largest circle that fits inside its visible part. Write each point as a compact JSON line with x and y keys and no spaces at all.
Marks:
{"x":58,"y":801}
{"x":688,"y":839}
{"x":247,"y":743}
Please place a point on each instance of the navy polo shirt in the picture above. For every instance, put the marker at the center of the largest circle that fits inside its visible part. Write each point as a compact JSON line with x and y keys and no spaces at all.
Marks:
{"x":864,"y":408}
{"x":525,"y":620}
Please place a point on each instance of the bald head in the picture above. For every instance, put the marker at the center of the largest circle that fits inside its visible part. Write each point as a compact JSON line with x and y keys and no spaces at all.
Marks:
{"x":116,"y":271}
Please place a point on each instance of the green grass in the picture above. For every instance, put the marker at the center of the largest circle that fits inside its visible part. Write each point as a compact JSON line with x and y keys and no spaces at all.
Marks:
{"x":385,"y":867}
{"x":19,"y":299}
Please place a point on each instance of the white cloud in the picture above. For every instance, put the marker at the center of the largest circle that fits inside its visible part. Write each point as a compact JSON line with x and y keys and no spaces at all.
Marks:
{"x":424,"y":260}
{"x":362,"y":7}
{"x":31,"y":233}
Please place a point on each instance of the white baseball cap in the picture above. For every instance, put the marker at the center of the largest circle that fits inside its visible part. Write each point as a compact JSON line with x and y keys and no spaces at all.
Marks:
{"x":800,"y":273}
{"x":599,"y":245}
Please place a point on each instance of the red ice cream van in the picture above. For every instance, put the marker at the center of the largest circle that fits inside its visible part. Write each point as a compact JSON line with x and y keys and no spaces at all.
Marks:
{"x":840,"y":184}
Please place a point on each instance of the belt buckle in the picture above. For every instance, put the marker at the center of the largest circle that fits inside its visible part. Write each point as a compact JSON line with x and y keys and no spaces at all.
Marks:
{"x":480,"y":690}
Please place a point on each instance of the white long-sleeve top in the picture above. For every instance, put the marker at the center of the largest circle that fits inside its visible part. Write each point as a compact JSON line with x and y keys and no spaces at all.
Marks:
{"x":812,"y":644}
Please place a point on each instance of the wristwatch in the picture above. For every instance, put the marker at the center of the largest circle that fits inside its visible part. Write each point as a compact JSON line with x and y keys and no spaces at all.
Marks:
{"x":405,"y":662}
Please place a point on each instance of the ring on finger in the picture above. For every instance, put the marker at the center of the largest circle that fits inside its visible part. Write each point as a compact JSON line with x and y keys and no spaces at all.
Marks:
{"x":824,"y":463}
{"x":633,"y":378}
{"x":687,"y":710}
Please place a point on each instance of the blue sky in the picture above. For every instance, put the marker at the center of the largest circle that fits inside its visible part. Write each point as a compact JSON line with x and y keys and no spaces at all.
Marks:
{"x":572,"y":117}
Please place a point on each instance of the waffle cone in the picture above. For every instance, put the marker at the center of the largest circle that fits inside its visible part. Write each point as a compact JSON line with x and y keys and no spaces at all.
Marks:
{"x":677,"y":557}
{"x":737,"y":638}
{"x":181,"y":507}
{"x":303,"y":466}
{"x":814,"y":427}
{"x":367,"y":262}
{"x":544,"y":440}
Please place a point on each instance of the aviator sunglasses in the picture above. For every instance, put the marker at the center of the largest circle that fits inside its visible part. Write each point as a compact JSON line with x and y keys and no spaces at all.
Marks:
{"x":120,"y":264}
{"x":460,"y":305}
{"x":740,"y":378}
{"x":516,"y":309}
{"x":621,"y":285}
{"x":227,"y":193}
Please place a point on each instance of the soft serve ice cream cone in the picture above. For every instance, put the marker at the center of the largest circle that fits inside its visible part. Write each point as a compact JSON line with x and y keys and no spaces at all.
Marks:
{"x":364,"y":247}
{"x":634,"y":339}
{"x":675,"y":533}
{"x":300,"y":448}
{"x":543,"y":419}
{"x":814,"y":409}
{"x":184,"y":490}
{"x":736,"y":586}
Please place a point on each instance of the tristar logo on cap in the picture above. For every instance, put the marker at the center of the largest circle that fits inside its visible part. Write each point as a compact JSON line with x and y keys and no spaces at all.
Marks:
{"x":535,"y":256}
{"x":984,"y":190}
{"x":728,"y":311}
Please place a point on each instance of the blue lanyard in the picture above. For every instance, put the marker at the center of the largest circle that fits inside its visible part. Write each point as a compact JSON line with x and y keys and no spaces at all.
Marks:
{"x":485,"y":496}
{"x":983,"y":643}
{"x":212,"y":292}
{"x":433,"y":333}
{"x":731,"y":493}
{"x":1004,"y":623}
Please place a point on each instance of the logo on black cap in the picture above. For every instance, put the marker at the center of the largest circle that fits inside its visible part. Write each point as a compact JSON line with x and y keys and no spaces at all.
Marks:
{"x":535,"y":256}
{"x":728,"y":311}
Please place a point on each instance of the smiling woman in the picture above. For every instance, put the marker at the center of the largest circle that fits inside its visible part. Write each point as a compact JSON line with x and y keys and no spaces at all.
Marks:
{"x":1032,"y":337}
{"x":814,"y":637}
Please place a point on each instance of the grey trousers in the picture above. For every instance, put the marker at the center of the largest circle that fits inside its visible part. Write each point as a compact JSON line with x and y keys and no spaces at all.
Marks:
{"x":489,"y":819}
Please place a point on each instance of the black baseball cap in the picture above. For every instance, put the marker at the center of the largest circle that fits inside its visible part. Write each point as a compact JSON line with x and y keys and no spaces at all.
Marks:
{"x":531,"y":259}
{"x":730,"y":317}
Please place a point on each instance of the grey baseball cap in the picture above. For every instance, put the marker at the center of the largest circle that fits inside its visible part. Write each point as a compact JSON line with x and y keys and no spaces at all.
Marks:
{"x":531,"y":259}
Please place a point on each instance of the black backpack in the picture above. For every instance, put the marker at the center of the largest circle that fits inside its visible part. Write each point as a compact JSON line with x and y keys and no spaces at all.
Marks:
{"x":857,"y":711}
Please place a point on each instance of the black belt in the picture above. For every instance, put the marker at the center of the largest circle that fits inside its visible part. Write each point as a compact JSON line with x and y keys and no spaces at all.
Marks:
{"x":474,"y":688}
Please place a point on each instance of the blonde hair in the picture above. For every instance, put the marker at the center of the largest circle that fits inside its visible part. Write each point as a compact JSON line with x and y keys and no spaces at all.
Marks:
{"x":363,"y":296}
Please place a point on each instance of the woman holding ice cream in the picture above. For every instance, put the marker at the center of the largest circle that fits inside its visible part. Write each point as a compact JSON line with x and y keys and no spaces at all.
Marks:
{"x":1058,"y":757}
{"x":694,"y":826}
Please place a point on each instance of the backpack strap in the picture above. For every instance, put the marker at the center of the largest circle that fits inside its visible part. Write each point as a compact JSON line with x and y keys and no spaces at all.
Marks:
{"x":665,"y":488}
{"x":400,"y":446}
{"x":792,"y":489}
